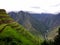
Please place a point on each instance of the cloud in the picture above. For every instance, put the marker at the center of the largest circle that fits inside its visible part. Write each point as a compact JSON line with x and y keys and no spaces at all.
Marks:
{"x":30,"y":5}
{"x":56,"y":5}
{"x":36,"y":7}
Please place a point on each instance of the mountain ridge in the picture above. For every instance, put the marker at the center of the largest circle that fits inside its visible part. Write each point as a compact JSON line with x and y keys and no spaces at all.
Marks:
{"x":43,"y":23}
{"x":28,"y":22}
{"x":15,"y":34}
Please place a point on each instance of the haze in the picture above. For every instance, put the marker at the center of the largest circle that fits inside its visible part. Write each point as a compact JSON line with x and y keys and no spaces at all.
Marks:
{"x":38,"y":6}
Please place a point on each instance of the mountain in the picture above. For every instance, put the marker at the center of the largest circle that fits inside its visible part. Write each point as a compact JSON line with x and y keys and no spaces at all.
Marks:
{"x":50,"y":20}
{"x":35,"y":26}
{"x":52,"y":34}
{"x":37,"y":23}
{"x":12,"y":33}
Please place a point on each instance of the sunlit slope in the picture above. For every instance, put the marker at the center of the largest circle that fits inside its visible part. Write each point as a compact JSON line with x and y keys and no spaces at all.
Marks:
{"x":12,"y":33}
{"x":53,"y":33}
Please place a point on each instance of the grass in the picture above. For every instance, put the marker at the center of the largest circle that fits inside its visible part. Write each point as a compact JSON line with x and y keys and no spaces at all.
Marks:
{"x":21,"y":35}
{"x":9,"y":32}
{"x":15,"y":34}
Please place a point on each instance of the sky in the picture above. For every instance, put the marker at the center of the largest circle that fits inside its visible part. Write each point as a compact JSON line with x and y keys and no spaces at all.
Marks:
{"x":38,"y":6}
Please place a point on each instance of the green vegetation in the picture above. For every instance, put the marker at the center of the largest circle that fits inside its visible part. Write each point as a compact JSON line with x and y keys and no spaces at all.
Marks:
{"x":12,"y":33}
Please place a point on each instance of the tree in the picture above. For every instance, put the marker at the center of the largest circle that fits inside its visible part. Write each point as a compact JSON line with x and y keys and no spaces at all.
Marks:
{"x":45,"y":43}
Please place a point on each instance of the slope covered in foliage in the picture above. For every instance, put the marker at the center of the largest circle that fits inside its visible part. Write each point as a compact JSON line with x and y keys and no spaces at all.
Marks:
{"x":12,"y":33}
{"x":35,"y":26}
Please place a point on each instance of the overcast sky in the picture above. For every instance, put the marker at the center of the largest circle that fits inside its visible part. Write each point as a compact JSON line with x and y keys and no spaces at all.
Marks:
{"x":48,"y":6}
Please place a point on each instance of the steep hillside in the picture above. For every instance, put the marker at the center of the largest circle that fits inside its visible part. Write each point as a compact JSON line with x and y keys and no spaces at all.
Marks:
{"x":12,"y":33}
{"x":46,"y":18}
{"x":33,"y":25}
{"x":50,"y":20}
{"x":51,"y":35}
